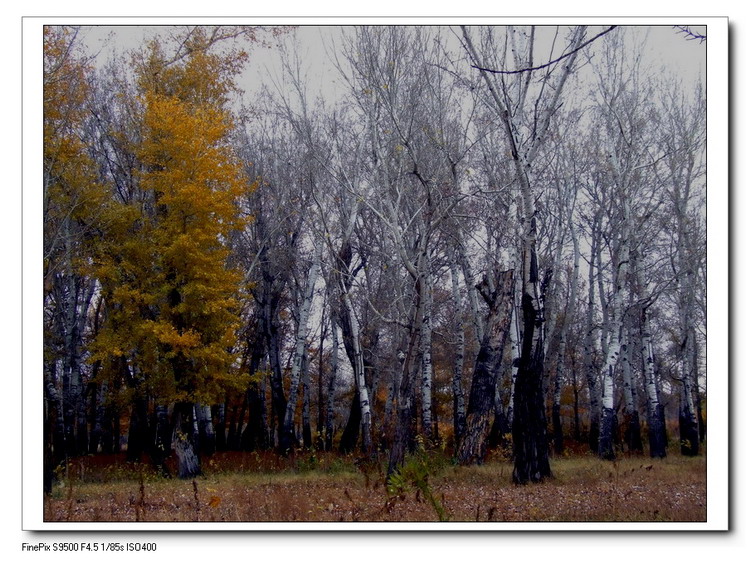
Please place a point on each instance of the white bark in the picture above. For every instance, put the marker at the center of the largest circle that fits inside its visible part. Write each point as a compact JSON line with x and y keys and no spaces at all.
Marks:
{"x":206,"y":422}
{"x":589,"y":348}
{"x":471,"y":292}
{"x":614,"y":341}
{"x":647,"y":352}
{"x":303,"y":329}
{"x":359,"y":372}
{"x":653,"y":404}
{"x":425,"y":350}
{"x":459,"y":415}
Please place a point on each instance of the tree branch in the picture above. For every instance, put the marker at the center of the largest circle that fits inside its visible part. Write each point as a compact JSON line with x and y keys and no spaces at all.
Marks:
{"x":689,"y":34}
{"x":550,"y":63}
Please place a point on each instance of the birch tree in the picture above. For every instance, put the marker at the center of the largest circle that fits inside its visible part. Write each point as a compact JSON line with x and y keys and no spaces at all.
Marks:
{"x":407,"y":193}
{"x":684,"y":147}
{"x":300,"y":349}
{"x":525,"y":124}
{"x":498,"y":294}
{"x":625,"y":96}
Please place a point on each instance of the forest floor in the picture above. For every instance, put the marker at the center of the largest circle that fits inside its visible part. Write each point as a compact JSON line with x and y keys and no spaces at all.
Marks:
{"x":264,"y":487}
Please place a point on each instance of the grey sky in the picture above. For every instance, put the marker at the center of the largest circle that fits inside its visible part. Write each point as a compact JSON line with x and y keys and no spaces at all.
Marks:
{"x":662,"y":45}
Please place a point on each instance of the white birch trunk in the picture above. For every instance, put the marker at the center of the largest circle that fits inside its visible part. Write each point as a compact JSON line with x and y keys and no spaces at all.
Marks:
{"x":689,"y":434}
{"x":299,"y":350}
{"x":471,"y":292}
{"x":614,"y":341}
{"x":647,"y":352}
{"x":633,"y":429}
{"x":655,"y":411}
{"x":359,"y":373}
{"x":206,"y":427}
{"x":627,"y":372}
{"x":515,"y":348}
{"x":592,"y":379}
{"x":425,"y":350}
{"x":515,"y":324}
{"x":655,"y":414}
{"x":306,"y":430}
{"x":459,"y":409}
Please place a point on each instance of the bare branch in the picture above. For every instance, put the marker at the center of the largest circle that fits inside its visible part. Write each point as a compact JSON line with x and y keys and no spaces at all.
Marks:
{"x":689,"y":34}
{"x":550,"y":63}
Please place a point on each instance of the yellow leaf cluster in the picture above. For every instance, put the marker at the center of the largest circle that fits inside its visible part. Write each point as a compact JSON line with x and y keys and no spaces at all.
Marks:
{"x":172,"y":299}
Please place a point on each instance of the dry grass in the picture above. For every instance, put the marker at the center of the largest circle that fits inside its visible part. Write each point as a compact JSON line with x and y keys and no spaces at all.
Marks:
{"x":253,"y":487}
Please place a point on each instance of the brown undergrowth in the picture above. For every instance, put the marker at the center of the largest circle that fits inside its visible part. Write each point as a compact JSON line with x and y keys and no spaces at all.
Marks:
{"x":263,"y":487}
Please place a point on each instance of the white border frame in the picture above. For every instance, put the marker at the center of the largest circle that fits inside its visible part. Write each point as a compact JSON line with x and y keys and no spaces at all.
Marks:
{"x":718,"y":283}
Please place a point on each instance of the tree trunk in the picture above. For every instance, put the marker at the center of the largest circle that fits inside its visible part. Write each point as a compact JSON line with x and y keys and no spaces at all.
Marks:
{"x":255,"y":434}
{"x":110,"y":430}
{"x":608,"y":419}
{"x":48,"y":455}
{"x":530,"y":451}
{"x":74,"y":294}
{"x":350,"y":435}
{"x":184,"y":439}
{"x":278,"y":399}
{"x":234,"y":439}
{"x":306,"y":429}
{"x":570,"y":308}
{"x":206,"y":431}
{"x":97,"y":413}
{"x":403,"y":440}
{"x":332,"y":384}
{"x":138,"y":432}
{"x":632,"y":418}
{"x":498,"y":293}
{"x":54,"y":452}
{"x":589,"y":357}
{"x":219,"y":413}
{"x":320,"y":430}
{"x":657,"y":433}
{"x":576,"y":408}
{"x":688,"y":419}
{"x":515,"y":354}
{"x":471,"y":292}
{"x":162,"y":439}
{"x":557,"y":430}
{"x":501,"y":427}
{"x":459,"y":410}
{"x":607,"y":431}
{"x":425,"y":353}
{"x":689,"y":436}
{"x":362,"y":394}
{"x":531,"y":461}
{"x":287,"y":439}
{"x":614,"y":342}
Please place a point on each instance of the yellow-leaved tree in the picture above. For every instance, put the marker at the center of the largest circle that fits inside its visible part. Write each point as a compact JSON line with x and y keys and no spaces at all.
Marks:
{"x":170,"y":292}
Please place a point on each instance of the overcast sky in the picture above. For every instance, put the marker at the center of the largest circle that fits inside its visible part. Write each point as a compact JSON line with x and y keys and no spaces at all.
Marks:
{"x":662,"y":45}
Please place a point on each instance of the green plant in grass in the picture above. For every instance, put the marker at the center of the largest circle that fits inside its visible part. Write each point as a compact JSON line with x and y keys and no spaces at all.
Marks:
{"x":414,"y":476}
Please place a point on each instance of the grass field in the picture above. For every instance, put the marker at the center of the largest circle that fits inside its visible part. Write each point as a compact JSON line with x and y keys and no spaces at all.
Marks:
{"x":263,"y":487}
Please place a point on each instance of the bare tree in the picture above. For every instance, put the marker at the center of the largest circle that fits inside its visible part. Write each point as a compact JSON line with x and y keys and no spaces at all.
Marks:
{"x":525,"y":123}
